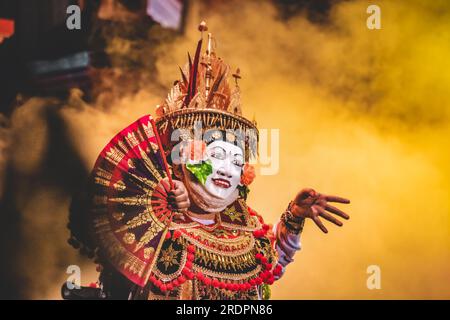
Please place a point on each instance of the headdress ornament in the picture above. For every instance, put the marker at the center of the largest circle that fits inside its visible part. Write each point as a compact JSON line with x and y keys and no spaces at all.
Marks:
{"x":204,"y":95}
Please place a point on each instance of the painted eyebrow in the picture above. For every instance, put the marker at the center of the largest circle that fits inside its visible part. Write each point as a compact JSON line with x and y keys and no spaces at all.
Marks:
{"x":218,"y":147}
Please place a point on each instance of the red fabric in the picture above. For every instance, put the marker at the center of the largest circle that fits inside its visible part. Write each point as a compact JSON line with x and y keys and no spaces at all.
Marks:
{"x":6,"y":27}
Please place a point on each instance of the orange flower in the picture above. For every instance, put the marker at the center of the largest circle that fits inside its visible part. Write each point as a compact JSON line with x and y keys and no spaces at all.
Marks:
{"x":248,"y":174}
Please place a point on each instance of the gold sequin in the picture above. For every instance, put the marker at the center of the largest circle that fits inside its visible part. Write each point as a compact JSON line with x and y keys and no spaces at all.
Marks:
{"x":118,"y":215}
{"x":119,"y":185}
{"x":129,"y":238}
{"x":149,"y":252}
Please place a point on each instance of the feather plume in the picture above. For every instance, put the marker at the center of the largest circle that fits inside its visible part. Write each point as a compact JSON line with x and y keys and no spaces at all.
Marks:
{"x":183,"y":76}
{"x":193,"y":82}
{"x":215,"y":87}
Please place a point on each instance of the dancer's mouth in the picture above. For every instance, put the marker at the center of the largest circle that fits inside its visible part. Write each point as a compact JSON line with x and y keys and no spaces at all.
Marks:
{"x":222,"y":183}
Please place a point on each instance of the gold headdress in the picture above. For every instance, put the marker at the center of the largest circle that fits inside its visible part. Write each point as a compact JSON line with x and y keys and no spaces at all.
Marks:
{"x":204,"y":96}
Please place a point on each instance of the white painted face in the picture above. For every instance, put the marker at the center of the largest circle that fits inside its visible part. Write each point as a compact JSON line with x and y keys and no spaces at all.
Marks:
{"x":227,"y":161}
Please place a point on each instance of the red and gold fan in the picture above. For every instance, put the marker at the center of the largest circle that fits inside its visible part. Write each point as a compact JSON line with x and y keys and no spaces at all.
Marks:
{"x":129,"y":205}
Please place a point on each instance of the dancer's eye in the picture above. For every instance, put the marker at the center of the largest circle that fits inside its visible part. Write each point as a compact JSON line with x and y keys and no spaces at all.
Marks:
{"x":238,"y":161}
{"x":218,"y":153}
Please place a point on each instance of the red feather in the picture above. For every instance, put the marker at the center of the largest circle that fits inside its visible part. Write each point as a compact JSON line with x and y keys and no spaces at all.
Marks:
{"x":193,"y":70}
{"x":195,"y":67}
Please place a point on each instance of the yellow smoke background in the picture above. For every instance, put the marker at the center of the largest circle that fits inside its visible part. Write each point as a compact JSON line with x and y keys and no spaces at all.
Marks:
{"x":362,"y":114}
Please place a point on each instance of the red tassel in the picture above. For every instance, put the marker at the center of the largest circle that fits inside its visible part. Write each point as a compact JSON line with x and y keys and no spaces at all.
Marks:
{"x":181,"y":279}
{"x":270,"y":280}
{"x":277,"y":270}
{"x":200,"y":276}
{"x":176,"y":234}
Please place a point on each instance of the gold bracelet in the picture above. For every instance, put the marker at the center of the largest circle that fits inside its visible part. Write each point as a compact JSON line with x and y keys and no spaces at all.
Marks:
{"x":297,"y":229}
{"x":293,"y":224}
{"x":291,"y":216}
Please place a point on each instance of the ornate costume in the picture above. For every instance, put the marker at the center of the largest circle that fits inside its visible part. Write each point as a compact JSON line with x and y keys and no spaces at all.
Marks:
{"x":149,"y":249}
